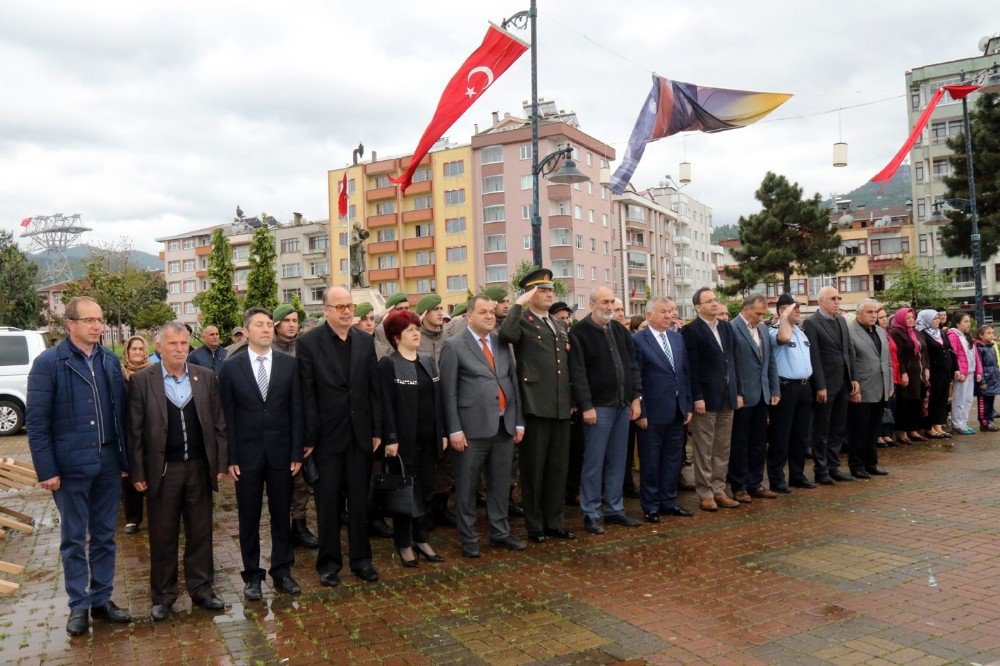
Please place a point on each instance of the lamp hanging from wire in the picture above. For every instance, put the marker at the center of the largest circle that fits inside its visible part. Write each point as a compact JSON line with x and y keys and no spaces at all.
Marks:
{"x":840,"y":148}
{"x":685,"y":167}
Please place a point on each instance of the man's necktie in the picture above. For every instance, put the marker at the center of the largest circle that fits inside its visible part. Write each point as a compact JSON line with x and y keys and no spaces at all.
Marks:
{"x":489,"y":357}
{"x":262,"y":377}
{"x":666,"y":348}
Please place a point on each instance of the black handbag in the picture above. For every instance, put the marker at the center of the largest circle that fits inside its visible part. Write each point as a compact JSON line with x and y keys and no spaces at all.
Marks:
{"x":396,"y":493}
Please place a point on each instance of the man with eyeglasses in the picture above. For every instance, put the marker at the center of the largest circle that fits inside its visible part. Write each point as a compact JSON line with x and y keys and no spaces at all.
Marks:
{"x":343,"y":423}
{"x":832,"y":381}
{"x":76,"y":432}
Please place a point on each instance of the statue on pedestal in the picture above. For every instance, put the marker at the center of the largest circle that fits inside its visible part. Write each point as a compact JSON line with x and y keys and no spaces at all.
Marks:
{"x":358,"y":236}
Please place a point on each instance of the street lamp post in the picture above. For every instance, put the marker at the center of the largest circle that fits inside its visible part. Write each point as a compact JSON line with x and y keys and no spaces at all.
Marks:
{"x":980,"y":311}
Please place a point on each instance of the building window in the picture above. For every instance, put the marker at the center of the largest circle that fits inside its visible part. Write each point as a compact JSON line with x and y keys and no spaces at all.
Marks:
{"x":175,"y":287}
{"x":424,"y":257}
{"x":190,"y":286}
{"x":343,"y":266}
{"x":590,"y":187}
{"x":526,"y":212}
{"x":452,"y":169}
{"x":496,"y":243}
{"x":604,"y":219}
{"x":174,"y":267}
{"x":289,"y":245}
{"x":388,"y":261}
{"x":526,"y":151}
{"x":853,"y":248}
{"x":288,"y":294}
{"x":915,"y":100}
{"x":636,"y":213}
{"x":458,"y":283}
{"x":496,"y":273}
{"x":342,"y":239}
{"x":318,"y":269}
{"x":454,"y":254}
{"x":578,"y":211}
{"x":593,"y":273}
{"x":240,"y":276}
{"x":638,"y":260}
{"x":385,"y":235}
{"x":173,"y":246}
{"x":423,"y":203}
{"x":562,"y":268}
{"x":454,"y":197}
{"x":492,"y":154}
{"x":316,"y":294}
{"x":918,"y":169}
{"x":590,"y":216}
{"x":606,"y":247}
{"x":527,"y":182}
{"x":580,"y":271}
{"x":189,"y":264}
{"x":494,"y":214}
{"x":176,"y":307}
{"x":385,"y":207}
{"x":853,"y":283}
{"x":423,"y":230}
{"x":380,"y":181}
{"x":607,"y":275}
{"x":560,"y":237}
{"x":319,"y":243}
{"x":921,"y":209}
{"x":526,"y":241}
{"x":922,"y":240}
{"x":421,"y":175}
{"x":492,"y":184}
{"x":290,"y":270}
{"x":593,"y":245}
{"x":454,"y":225}
{"x":352,"y":212}
{"x":188,"y":243}
{"x":426,"y":285}
{"x":578,"y":242}
{"x":189,"y":308}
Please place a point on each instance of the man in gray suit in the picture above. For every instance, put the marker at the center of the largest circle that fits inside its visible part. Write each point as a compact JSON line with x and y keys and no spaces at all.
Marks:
{"x":873,"y":371}
{"x":758,"y":384}
{"x":483,"y":416}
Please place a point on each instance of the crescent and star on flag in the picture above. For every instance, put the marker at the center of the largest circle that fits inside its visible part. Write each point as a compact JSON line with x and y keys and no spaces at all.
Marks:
{"x":472,"y":92}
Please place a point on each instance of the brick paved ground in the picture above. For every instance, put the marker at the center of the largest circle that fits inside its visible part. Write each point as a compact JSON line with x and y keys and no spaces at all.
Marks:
{"x":902,"y":569}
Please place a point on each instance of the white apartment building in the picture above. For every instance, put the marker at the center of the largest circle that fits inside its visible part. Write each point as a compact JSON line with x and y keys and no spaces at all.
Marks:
{"x":644,"y":253}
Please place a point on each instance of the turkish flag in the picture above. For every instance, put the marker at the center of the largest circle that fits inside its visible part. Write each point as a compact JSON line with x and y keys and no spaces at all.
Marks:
{"x":25,"y":222}
{"x":342,"y":201}
{"x":498,"y":51}
{"x":960,"y":92}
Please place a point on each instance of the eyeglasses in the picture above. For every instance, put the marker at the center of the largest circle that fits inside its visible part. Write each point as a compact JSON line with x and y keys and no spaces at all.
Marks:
{"x":340,"y":308}
{"x":836,"y":298}
{"x":88,"y":321}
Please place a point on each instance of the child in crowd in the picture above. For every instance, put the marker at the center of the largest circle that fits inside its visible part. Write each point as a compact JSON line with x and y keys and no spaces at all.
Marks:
{"x":989,"y":387}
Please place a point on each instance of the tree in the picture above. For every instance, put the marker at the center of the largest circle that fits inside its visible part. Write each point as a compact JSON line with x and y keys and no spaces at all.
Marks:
{"x":789,"y":235}
{"x":262,"y":282}
{"x":218,"y":304}
{"x":523,"y":268}
{"x":917,"y":287}
{"x":20,"y":304}
{"x":153,"y":316}
{"x":297,"y":304}
{"x":985,"y":123}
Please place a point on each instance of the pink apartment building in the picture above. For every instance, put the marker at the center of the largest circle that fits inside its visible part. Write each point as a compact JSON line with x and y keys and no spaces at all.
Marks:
{"x":577,"y":231}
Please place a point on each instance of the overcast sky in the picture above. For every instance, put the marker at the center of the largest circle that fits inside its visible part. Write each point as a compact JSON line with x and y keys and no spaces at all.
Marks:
{"x":152,"y":118}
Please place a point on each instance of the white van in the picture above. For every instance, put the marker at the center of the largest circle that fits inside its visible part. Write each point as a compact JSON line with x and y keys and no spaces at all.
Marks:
{"x":18,"y":350}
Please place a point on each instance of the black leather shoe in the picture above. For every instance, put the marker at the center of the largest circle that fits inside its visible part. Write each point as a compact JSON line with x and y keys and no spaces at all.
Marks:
{"x":78,"y":622}
{"x":470,"y":550}
{"x":802,"y":483}
{"x":677,"y":511}
{"x":329,"y":579}
{"x":537,"y":538}
{"x":212,"y":603}
{"x":160,"y":612}
{"x":409,"y":564}
{"x":377,"y":527}
{"x":367,"y":574}
{"x":287,"y":584}
{"x":480,"y":500}
{"x":593,"y":525}
{"x":652,"y":517}
{"x":621,"y":519}
{"x":251,"y":591}
{"x":302,"y":536}
{"x":837,"y":475}
{"x":825,"y":480}
{"x":508,"y":542}
{"x":860,"y":474}
{"x":427,"y":556}
{"x":877,"y":471}
{"x":111,"y":612}
{"x":514,"y":510}
{"x":560,"y":533}
{"x":782,"y":489}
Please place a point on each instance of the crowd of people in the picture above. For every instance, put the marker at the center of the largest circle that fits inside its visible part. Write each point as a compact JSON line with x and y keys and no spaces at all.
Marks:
{"x":497,"y":400}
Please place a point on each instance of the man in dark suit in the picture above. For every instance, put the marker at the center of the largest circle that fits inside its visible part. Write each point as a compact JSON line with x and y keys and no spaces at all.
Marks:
{"x":211,"y":354}
{"x":873,"y":371}
{"x":832,"y":381}
{"x":343,"y":427}
{"x":666,"y":409}
{"x":709,"y":344}
{"x":262,"y":401}
{"x":484,"y":422}
{"x":759,"y":388}
{"x":541,"y":347}
{"x":178,"y":454}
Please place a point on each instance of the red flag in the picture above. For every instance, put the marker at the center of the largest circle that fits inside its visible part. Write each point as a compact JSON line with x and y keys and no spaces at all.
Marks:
{"x":498,"y":51}
{"x":342,"y":202}
{"x":960,"y":92}
{"x":886,"y":174}
{"x":632,"y":294}
{"x":25,"y":222}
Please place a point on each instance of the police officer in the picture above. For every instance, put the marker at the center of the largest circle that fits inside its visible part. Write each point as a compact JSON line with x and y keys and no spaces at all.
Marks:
{"x":791,"y":419}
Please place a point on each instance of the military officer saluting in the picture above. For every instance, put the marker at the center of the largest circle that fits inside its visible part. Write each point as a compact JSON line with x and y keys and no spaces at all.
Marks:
{"x":541,"y":350}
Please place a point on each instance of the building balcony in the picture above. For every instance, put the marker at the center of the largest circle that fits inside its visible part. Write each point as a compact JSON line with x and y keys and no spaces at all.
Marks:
{"x":201,"y":273}
{"x":422,"y":215}
{"x":636,"y":247}
{"x":894,"y":229}
{"x":201,"y":251}
{"x":682,"y":240}
{"x":560,"y":221}
{"x":966,"y":284}
{"x":383,"y":274}
{"x":635,"y":224}
{"x":404,"y":163}
{"x":422,"y":243}
{"x":386,"y":220}
{"x":381,"y":193}
{"x":885,"y":261}
{"x":319,"y":277}
{"x":422,"y":187}
{"x":376,"y":168}
{"x":427,"y":270}
{"x":635,"y":271}
{"x":383,"y":247}
{"x":684,"y":261}
{"x":559,"y":192}
{"x":685,"y":280}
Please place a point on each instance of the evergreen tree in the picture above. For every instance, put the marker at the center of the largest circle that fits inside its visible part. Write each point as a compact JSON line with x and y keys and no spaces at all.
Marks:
{"x":20,"y":304}
{"x":985,"y":122}
{"x":218,"y":304}
{"x":914,"y":286}
{"x":262,"y":282}
{"x":789,"y":235}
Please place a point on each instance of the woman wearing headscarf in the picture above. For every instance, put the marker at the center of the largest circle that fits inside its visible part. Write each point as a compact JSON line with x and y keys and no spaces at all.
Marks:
{"x":910,"y":374}
{"x":134,"y":359}
{"x":970,"y":371}
{"x":941,"y":361}
{"x":886,"y":439}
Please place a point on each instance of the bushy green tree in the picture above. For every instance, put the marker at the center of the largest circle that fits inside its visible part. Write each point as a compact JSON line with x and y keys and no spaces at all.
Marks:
{"x":218,"y":304}
{"x":297,"y":304}
{"x":915,"y":286}
{"x":20,"y":304}
{"x":262,"y":282}
{"x":523,"y":268}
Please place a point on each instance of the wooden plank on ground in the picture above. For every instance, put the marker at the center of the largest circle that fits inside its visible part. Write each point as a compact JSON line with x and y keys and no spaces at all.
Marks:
{"x":23,"y":517}
{"x":25,"y":467}
{"x":11,"y":568}
{"x":18,"y":477}
{"x":15,"y":524}
{"x":8,"y":588}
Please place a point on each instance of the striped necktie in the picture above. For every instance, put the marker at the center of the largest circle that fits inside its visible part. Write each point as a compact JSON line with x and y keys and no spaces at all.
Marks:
{"x":262,"y":377}
{"x":666,"y":348}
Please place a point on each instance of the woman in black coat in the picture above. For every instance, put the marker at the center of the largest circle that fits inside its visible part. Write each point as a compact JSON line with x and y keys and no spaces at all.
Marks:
{"x":943,"y":366}
{"x":909,"y":360}
{"x":412,"y":425}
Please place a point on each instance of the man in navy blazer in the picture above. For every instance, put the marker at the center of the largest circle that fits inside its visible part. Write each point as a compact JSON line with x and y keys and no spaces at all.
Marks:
{"x":262,"y":400}
{"x":709,"y":343}
{"x":759,"y":388}
{"x":666,"y":409}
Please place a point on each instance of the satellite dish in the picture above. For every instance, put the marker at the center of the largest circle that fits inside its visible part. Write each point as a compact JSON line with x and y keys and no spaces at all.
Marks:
{"x":845,"y":220}
{"x":984,"y":44}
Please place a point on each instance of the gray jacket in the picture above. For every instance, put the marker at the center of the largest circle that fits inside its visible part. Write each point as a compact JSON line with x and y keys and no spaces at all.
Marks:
{"x":872,"y":367}
{"x":469,"y":387}
{"x":755,"y":366}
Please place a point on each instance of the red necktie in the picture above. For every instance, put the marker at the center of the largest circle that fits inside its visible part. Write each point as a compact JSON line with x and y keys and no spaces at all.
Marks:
{"x":493,"y":365}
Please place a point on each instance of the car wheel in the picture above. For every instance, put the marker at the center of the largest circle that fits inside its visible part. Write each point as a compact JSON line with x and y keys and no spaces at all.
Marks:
{"x":11,"y":418}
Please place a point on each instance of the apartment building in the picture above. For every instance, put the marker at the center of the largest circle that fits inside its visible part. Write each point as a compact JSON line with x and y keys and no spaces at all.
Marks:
{"x":644,"y":253}
{"x":420,"y":243}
